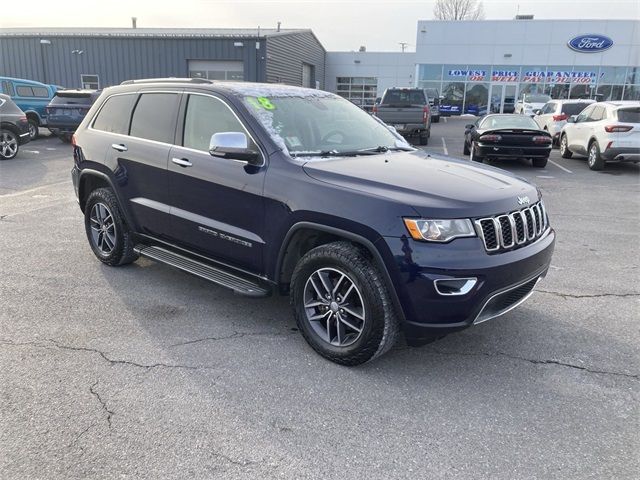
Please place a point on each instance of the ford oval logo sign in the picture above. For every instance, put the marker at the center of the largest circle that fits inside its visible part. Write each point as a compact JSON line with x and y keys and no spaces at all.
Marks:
{"x":590,"y":43}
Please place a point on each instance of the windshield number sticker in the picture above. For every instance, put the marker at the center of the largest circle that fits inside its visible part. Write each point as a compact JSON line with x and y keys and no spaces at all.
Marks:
{"x":261,"y":102}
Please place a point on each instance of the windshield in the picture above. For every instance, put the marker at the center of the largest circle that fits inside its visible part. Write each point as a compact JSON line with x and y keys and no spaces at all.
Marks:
{"x":508,"y":121}
{"x":321,"y":125}
{"x":629,"y":115}
{"x":537,"y":98}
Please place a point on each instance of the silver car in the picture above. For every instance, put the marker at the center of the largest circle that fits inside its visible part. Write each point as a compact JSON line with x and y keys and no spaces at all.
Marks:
{"x":554,"y":114}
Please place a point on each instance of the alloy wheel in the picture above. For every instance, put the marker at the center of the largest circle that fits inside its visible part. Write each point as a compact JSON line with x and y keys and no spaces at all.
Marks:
{"x":563,"y":145}
{"x":592,"y":155}
{"x":334,"y":307}
{"x":472,"y":152}
{"x":103,"y":228}
{"x":8,"y":144}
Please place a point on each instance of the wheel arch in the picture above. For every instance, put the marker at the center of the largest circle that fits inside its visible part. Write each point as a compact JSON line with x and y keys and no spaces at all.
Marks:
{"x":31,"y":114}
{"x":92,"y":179}
{"x":304,"y":236}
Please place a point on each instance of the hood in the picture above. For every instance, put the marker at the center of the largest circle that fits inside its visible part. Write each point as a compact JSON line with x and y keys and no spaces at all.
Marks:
{"x":436,"y":187}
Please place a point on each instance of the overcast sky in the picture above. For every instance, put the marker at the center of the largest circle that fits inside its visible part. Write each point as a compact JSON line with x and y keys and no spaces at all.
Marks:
{"x":339,"y":24}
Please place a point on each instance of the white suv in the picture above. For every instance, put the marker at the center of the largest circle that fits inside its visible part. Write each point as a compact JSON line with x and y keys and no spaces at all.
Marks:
{"x":605,"y":131}
{"x":530,"y":102}
{"x":553,"y":116}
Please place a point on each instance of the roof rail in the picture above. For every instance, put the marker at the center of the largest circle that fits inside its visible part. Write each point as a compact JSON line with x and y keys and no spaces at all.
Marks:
{"x":167,"y":80}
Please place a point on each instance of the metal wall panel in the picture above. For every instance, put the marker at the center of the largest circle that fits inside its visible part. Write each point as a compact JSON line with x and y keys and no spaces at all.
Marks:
{"x":115,"y":59}
{"x":287,"y":52}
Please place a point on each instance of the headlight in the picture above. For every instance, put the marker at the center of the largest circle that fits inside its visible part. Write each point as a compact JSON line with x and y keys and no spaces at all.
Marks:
{"x":439,"y":230}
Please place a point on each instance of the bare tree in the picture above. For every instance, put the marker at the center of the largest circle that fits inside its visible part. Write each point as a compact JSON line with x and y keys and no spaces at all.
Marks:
{"x":458,"y":10}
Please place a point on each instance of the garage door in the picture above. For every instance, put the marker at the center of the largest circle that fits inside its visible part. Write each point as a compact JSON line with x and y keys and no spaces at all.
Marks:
{"x":216,"y":70}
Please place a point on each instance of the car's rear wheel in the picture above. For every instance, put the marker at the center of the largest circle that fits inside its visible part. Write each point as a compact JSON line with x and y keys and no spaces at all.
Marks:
{"x":33,"y":128}
{"x":595,"y":160}
{"x":8,"y":144}
{"x":472,"y":154}
{"x":435,"y":119}
{"x":539,"y":162}
{"x":109,"y":236}
{"x":341,"y":304}
{"x":564,"y":147}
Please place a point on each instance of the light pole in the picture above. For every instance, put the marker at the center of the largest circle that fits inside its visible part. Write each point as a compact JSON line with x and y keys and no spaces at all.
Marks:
{"x":403,"y":45}
{"x":44,"y":42}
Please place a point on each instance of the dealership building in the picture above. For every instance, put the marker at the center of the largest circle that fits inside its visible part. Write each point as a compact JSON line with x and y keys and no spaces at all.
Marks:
{"x":476,"y":66}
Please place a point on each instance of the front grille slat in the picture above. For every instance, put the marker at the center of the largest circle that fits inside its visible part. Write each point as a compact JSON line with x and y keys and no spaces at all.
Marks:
{"x":513,"y":230}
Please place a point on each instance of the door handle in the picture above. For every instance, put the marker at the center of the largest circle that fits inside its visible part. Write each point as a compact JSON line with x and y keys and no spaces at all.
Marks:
{"x":183,"y":162}
{"x":119,"y":146}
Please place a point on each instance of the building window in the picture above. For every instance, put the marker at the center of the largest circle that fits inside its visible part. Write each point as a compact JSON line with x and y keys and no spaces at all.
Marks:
{"x":307,"y":75}
{"x":216,"y":70}
{"x":90,"y":82}
{"x":361,"y":91}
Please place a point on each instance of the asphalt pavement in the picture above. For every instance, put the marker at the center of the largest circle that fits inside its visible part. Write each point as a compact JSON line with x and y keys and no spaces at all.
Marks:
{"x":147,"y":372}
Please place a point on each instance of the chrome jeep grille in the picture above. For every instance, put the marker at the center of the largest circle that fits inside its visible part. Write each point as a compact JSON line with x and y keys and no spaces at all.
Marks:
{"x":513,"y":230}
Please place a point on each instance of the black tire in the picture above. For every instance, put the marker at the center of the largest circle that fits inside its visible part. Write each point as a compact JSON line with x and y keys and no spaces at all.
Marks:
{"x":564,"y":147}
{"x":539,"y":162}
{"x":424,"y":139}
{"x":65,"y":137}
{"x":121,"y":252}
{"x":380,"y":324}
{"x":9,"y":144}
{"x":465,"y":149}
{"x":436,"y":119}
{"x":473,"y":156}
{"x":595,"y":160}
{"x":33,"y":128}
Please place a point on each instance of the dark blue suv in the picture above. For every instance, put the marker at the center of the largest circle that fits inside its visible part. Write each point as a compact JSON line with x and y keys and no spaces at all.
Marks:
{"x":269,"y":188}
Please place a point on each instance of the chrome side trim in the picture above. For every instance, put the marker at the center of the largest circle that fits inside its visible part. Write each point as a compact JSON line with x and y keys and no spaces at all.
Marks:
{"x":476,"y":321}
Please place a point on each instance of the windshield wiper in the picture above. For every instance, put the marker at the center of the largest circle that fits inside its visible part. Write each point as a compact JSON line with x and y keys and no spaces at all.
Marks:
{"x":351,"y":153}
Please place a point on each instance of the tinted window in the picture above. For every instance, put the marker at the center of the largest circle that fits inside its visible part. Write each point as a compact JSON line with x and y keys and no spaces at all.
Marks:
{"x":404,"y":97}
{"x":115,"y":114}
{"x":40,"y":92}
{"x":629,"y":115}
{"x":206,"y":116}
{"x":7,"y":87}
{"x":154,"y":117}
{"x":23,"y":91}
{"x":509,"y":121}
{"x":574,"y":108}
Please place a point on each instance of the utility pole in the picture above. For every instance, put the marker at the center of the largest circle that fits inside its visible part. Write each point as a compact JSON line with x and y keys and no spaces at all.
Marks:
{"x":403,"y":45}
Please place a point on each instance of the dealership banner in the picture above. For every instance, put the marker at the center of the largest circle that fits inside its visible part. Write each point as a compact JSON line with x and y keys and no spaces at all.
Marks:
{"x":528,"y":76}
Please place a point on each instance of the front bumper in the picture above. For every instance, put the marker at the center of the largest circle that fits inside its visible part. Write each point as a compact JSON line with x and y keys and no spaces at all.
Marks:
{"x":504,"y":280}
{"x":510,"y":151}
{"x":622,"y":154}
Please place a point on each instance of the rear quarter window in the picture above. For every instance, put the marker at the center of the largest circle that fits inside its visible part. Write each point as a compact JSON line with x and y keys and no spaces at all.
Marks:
{"x":7,"y":88}
{"x":629,"y":115}
{"x":115,"y":114}
{"x":40,"y":92}
{"x":24,"y":91}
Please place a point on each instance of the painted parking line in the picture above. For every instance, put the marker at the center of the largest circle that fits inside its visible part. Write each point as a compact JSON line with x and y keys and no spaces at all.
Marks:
{"x":444,"y":119}
{"x":444,"y":147}
{"x":560,"y":166}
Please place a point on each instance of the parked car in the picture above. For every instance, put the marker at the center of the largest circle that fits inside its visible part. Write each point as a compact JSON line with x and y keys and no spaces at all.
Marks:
{"x":67,"y":109}
{"x":434,"y":103}
{"x":31,"y":97}
{"x":407,"y":110}
{"x":530,"y":102}
{"x":507,"y":107}
{"x":553,"y":115}
{"x":604,"y":131}
{"x":14,"y":128}
{"x":507,"y":136}
{"x":273,"y":188}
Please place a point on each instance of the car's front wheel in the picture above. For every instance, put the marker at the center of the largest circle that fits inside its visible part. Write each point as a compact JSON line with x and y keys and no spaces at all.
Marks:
{"x":341,"y":304}
{"x":564,"y":147}
{"x":8,"y":144}
{"x":109,"y":236}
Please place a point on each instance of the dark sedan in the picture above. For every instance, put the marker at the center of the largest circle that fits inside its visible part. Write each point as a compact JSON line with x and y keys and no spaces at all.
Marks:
{"x":14,"y":128}
{"x":67,"y":109}
{"x":507,"y":136}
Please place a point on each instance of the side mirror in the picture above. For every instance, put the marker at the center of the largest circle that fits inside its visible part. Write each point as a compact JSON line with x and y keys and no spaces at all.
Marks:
{"x":537,"y":112}
{"x":234,"y":146}
{"x":572,"y":119}
{"x":378,"y":100}
{"x":469,"y":126}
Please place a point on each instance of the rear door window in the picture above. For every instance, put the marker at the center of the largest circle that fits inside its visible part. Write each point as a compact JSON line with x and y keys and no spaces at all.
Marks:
{"x":596,"y":114}
{"x":154,"y":117}
{"x":40,"y":92}
{"x":24,"y":91}
{"x":404,"y":97}
{"x":629,"y":115}
{"x":115,"y":114}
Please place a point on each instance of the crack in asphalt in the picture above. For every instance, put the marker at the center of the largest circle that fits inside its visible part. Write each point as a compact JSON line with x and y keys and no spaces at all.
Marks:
{"x":229,"y":337}
{"x":595,"y":295}
{"x":95,"y":393}
{"x":77,"y":437}
{"x":538,"y":362}
{"x":241,"y":463}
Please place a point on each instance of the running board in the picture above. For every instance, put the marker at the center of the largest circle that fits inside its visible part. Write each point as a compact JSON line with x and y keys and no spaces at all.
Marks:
{"x":239,"y":285}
